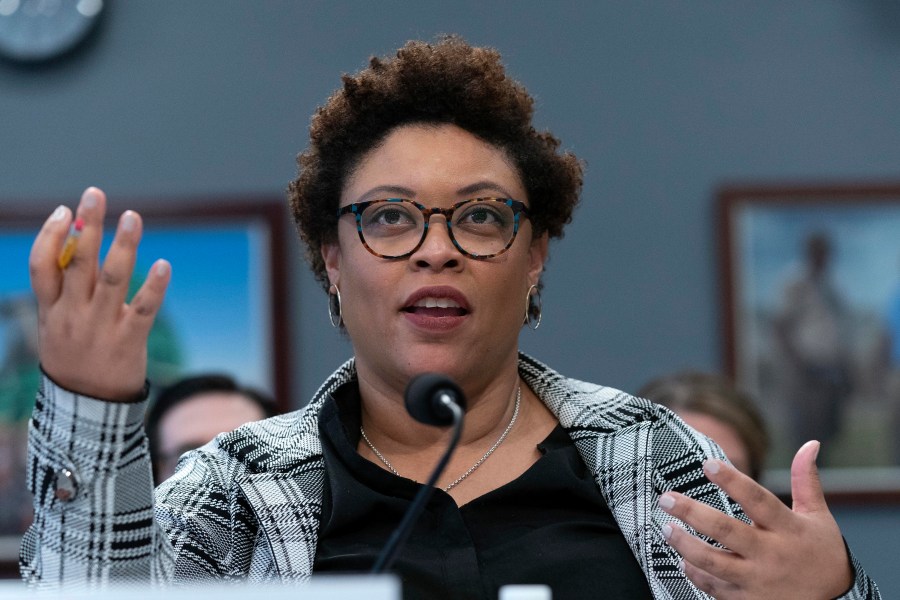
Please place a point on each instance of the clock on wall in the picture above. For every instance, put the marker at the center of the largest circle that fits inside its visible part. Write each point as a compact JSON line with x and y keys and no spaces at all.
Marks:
{"x":40,"y":30}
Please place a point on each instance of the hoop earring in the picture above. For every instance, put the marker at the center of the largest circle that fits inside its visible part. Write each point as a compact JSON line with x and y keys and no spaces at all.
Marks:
{"x":335,"y":312}
{"x":533,"y":307}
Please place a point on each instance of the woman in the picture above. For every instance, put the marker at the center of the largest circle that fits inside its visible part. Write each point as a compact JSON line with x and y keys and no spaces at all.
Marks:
{"x":555,"y":481}
{"x":713,"y":406}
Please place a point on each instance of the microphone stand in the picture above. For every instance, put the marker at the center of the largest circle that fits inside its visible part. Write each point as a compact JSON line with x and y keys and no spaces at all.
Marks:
{"x":398,"y":537}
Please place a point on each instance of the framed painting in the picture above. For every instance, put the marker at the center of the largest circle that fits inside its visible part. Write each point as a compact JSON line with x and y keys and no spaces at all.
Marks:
{"x":225,"y":311}
{"x":811,"y":308}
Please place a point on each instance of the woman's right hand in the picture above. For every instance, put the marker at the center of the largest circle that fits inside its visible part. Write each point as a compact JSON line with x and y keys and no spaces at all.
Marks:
{"x":90,"y":341}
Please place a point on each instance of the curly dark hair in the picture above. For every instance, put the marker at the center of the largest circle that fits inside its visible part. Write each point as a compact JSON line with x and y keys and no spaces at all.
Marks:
{"x":447,"y":82}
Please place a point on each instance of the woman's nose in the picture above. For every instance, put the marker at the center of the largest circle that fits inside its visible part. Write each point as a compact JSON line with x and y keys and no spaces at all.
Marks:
{"x":437,"y":250}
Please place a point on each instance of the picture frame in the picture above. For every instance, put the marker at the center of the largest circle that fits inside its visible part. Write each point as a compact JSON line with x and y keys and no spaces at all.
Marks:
{"x":225,"y":311}
{"x":810,"y":294}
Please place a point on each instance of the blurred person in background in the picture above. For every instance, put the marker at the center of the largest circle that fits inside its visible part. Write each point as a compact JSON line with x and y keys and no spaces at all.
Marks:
{"x":192,"y":411}
{"x":712,"y":405}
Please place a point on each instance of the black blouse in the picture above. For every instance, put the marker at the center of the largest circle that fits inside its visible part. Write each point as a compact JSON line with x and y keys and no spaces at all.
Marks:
{"x":550,"y":526}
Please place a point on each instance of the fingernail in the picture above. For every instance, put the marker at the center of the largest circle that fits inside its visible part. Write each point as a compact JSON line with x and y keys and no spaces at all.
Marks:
{"x":667,"y":531}
{"x":59,"y":214}
{"x":667,"y":501}
{"x":89,"y":198}
{"x":129,"y":221}
{"x":681,"y":565}
{"x":712,"y":466}
{"x":161,"y":269}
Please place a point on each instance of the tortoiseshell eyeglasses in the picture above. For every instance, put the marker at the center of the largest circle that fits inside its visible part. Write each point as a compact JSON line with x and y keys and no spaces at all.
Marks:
{"x":480,"y":228}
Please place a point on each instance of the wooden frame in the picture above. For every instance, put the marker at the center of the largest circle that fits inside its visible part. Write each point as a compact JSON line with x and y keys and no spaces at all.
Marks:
{"x":226,"y":310}
{"x":808,"y":274}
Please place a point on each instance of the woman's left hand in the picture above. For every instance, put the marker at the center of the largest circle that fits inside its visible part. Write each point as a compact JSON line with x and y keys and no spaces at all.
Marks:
{"x":793,"y":552}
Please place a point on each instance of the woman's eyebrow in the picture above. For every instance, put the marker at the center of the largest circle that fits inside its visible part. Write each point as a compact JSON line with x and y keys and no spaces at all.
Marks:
{"x":481,"y":186}
{"x":380,"y":191}
{"x":392,"y":190}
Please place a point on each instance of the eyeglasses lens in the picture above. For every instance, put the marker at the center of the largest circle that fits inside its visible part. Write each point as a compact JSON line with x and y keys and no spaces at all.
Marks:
{"x":480,"y":227}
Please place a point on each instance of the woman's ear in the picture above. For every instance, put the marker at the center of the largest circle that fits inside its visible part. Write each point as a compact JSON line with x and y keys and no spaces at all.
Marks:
{"x":538,"y":256}
{"x":331,"y":254}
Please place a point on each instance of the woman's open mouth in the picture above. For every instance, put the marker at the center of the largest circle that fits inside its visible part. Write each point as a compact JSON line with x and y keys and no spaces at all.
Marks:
{"x":436,"y":308}
{"x":430,"y":306}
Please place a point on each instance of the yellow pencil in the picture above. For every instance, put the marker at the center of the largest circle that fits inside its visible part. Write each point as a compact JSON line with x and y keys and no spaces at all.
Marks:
{"x":65,"y":257}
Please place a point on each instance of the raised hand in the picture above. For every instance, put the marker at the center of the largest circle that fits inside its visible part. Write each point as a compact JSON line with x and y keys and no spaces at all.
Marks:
{"x":90,"y":340}
{"x":793,"y":552}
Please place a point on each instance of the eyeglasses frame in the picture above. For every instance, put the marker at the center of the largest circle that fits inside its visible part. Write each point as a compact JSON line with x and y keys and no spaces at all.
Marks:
{"x":357,"y":209}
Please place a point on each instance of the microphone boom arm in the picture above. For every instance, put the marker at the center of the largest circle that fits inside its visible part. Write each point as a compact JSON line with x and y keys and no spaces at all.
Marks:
{"x":401,"y":533}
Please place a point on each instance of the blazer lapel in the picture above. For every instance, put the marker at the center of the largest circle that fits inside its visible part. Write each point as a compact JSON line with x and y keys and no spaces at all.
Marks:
{"x":614,"y":433}
{"x":288,"y":507}
{"x":286,"y":495}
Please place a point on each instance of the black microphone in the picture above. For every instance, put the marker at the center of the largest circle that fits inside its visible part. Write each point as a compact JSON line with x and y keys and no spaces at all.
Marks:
{"x":432,"y":399}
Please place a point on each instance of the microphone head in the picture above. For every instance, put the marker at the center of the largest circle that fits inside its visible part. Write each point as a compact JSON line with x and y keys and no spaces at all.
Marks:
{"x":423,"y":399}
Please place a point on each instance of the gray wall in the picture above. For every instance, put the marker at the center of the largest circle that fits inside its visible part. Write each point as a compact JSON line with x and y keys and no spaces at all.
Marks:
{"x":665,"y":101}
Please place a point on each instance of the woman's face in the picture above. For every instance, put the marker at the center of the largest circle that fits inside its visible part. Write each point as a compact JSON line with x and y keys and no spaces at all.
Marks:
{"x":388,"y":306}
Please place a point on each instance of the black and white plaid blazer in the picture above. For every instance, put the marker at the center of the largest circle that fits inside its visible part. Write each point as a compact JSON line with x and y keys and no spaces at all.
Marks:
{"x":247,"y":505}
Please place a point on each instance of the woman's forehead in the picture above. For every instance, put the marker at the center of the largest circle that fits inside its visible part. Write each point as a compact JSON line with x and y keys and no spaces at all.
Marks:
{"x":427,"y":159}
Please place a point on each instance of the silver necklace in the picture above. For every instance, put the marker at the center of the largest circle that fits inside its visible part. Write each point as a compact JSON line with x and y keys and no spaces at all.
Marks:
{"x":490,"y":451}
